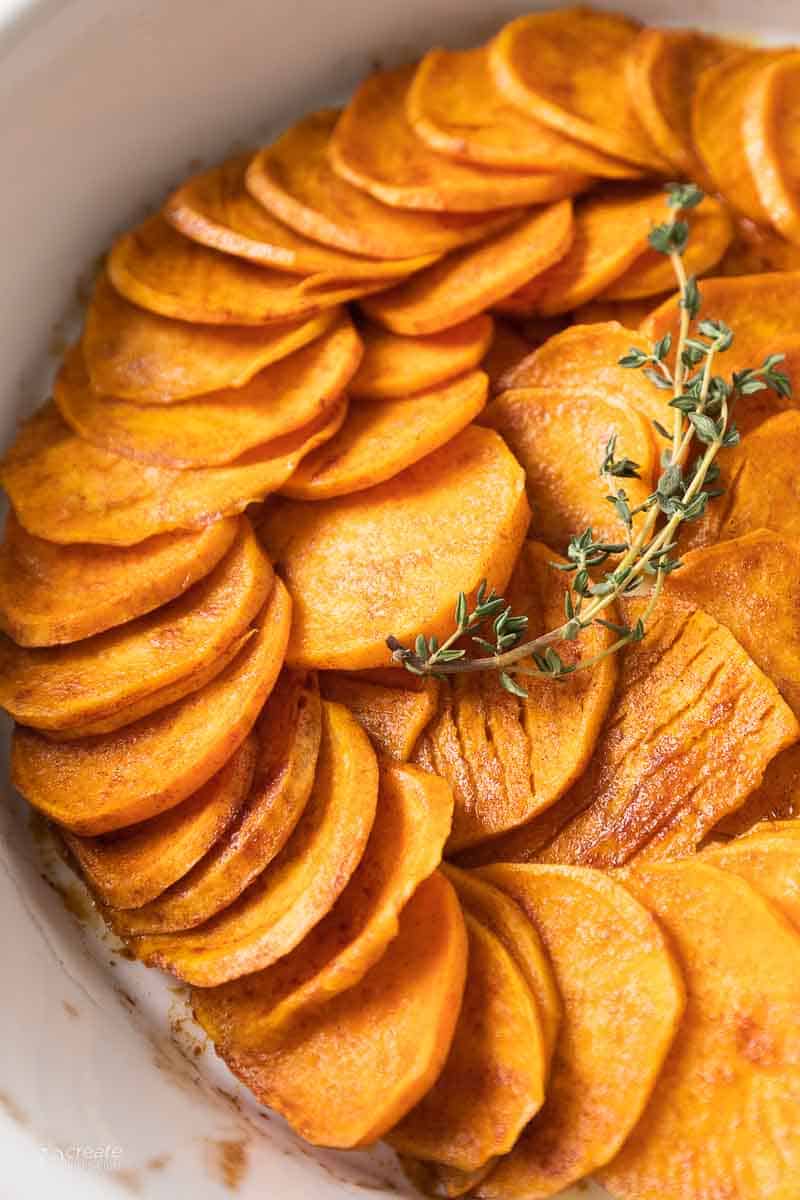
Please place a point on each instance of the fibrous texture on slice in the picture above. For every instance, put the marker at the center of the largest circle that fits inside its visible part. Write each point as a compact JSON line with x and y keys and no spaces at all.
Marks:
{"x":729,"y":1090}
{"x":623,"y":1000}
{"x":393,"y":706}
{"x":776,"y":798}
{"x":404,"y":549}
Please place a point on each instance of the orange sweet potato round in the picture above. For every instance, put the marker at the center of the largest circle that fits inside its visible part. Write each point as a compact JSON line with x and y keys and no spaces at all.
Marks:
{"x":381,"y":438}
{"x":294,"y":180}
{"x":493,"y":1081}
{"x":566,"y":69}
{"x":288,"y":731}
{"x":374,"y":146}
{"x":137,"y":355}
{"x":301,"y":884}
{"x":769,"y":859}
{"x":117,"y":779}
{"x":218,"y":428}
{"x":776,"y":798}
{"x":772,"y":142}
{"x":472,"y":279}
{"x":623,"y":1000}
{"x":164,"y":272}
{"x":455,"y":106}
{"x":405,"y":547}
{"x":394,"y":367}
{"x":394,"y":708}
{"x":53,"y":594}
{"x":129,"y":868}
{"x":629,"y":313}
{"x":404,"y":848}
{"x":111,"y":679}
{"x":66,"y":490}
{"x":355,"y":1067}
{"x":216,"y":209}
{"x":756,"y":251}
{"x":729,"y":1090}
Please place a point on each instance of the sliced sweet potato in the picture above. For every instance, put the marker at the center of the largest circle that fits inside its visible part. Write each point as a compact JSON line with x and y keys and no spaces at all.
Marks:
{"x":652,"y":273}
{"x":410,"y":545}
{"x":301,"y":884}
{"x":404,"y":848}
{"x":215,"y":209}
{"x":751,"y":585}
{"x":498,"y":912}
{"x":294,"y":180}
{"x":106,"y":678}
{"x":623,"y":1001}
{"x":455,"y":106}
{"x":288,"y":732}
{"x":381,"y":438}
{"x":718,"y":128}
{"x":353,"y":1069}
{"x":137,"y":355}
{"x":611,"y":229}
{"x":662,"y":67}
{"x":493,"y":1081}
{"x":628,"y":313}
{"x":53,"y":594}
{"x":506,"y":759}
{"x":776,"y":798}
{"x":772,"y":144}
{"x":394,"y":367}
{"x":693,"y":727}
{"x":393,"y":712}
{"x":472,"y":279}
{"x":506,"y":352}
{"x":374,"y":146}
{"x":566,"y":69}
{"x":134,"y":866}
{"x":756,"y":251}
{"x":560,"y":438}
{"x":66,"y":490}
{"x":728,"y":1094}
{"x":769,"y":859}
{"x":164,"y":272}
{"x":217,"y":429}
{"x":117,"y":779}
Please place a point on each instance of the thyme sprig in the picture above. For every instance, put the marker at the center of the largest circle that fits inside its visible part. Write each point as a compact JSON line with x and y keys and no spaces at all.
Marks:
{"x":601,"y":572}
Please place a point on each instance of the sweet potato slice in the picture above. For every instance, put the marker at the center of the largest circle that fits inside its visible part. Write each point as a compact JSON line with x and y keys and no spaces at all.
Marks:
{"x":652,"y":273}
{"x":53,"y":594}
{"x":693,"y":727}
{"x":294,"y":180}
{"x":756,"y":251}
{"x":353,"y":1069}
{"x":610,"y":234}
{"x":772,"y":143}
{"x":506,"y":352}
{"x":728,"y":1094}
{"x":66,"y":490}
{"x":105,"y":678}
{"x":472,"y":279}
{"x":134,"y":866}
{"x":393,"y":711}
{"x":301,"y":885}
{"x":215,"y":209}
{"x":411,"y":544}
{"x":288,"y":732}
{"x":381,"y":438}
{"x":776,"y":798}
{"x":493,"y":1081}
{"x":394,"y":367}
{"x":508,"y":759}
{"x":137,"y":355}
{"x":628,"y":313}
{"x":560,"y":438}
{"x":623,"y":1000}
{"x":164,"y":272}
{"x":117,"y":779}
{"x":455,"y":106}
{"x":718,"y":128}
{"x":662,"y":67}
{"x":374,"y":146}
{"x":751,"y":585}
{"x":566,"y":69}
{"x":404,"y":848}
{"x":217,"y":429}
{"x":769,"y":859}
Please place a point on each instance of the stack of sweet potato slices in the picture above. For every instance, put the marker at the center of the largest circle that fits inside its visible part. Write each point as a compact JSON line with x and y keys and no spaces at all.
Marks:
{"x":328,"y":386}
